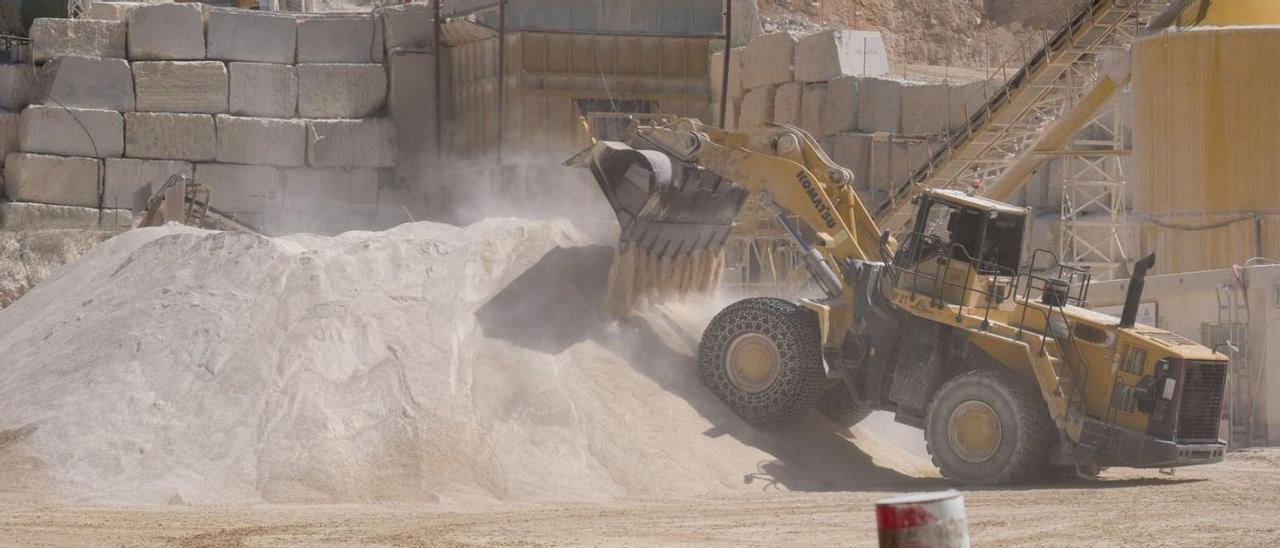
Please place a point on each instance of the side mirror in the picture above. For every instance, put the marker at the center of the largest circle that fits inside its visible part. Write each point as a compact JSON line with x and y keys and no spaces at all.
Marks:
{"x":884,"y":238}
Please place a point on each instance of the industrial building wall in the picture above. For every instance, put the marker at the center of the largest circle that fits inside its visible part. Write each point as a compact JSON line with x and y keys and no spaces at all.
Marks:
{"x":693,"y":18}
{"x":655,"y":17}
{"x":549,"y":76}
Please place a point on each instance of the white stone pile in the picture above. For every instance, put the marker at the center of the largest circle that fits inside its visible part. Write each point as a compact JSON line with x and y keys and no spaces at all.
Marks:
{"x":282,"y":116}
{"x":427,"y":363}
{"x":836,"y":84}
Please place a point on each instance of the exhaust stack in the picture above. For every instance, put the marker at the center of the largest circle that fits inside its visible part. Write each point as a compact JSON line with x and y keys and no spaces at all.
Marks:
{"x":1137,"y":283}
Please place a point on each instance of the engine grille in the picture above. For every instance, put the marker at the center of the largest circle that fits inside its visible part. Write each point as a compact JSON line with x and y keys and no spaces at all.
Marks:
{"x":1200,"y":408}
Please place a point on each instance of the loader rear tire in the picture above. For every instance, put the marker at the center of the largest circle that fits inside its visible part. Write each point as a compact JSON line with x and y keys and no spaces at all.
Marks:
{"x":988,"y":427}
{"x":841,"y":407}
{"x":763,"y":358}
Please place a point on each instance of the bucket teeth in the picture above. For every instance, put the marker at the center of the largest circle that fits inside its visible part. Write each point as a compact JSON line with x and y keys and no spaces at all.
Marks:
{"x":675,"y":218}
{"x":638,"y":278}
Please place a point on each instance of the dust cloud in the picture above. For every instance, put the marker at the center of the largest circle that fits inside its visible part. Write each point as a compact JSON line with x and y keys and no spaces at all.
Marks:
{"x":638,"y":277}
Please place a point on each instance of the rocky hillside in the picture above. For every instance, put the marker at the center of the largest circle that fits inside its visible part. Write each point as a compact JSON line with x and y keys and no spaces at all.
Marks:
{"x":969,"y":33}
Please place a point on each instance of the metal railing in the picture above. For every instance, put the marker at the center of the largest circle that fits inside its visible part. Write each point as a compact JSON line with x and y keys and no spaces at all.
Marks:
{"x":918,"y":248}
{"x":1072,"y":277}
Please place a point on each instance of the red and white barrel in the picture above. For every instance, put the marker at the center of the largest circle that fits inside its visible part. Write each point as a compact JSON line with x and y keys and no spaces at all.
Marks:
{"x":923,"y":520}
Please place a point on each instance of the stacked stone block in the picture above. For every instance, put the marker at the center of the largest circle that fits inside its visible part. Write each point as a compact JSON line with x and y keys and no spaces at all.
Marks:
{"x":786,"y":103}
{"x":411,"y":100}
{"x":122,"y":176}
{"x":180,"y":86}
{"x":94,"y":133}
{"x":837,"y":85}
{"x":238,"y":35}
{"x":769,"y":60}
{"x":341,"y":90}
{"x":408,"y":27}
{"x":10,"y":130}
{"x":278,"y":114}
{"x":60,"y":180}
{"x":811,"y":101}
{"x":53,"y":38}
{"x":823,"y":56}
{"x":111,"y":11}
{"x":85,"y":82}
{"x":19,"y":86}
{"x":170,"y":136}
{"x":263,"y":89}
{"x":735,"y":88}
{"x":166,"y":32}
{"x":757,"y":107}
{"x":264,"y":141}
{"x":338,"y":38}
{"x":351,"y":143}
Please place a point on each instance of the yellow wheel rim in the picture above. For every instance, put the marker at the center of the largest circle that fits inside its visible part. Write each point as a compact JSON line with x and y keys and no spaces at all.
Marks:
{"x":752,"y":363}
{"x":974,"y":431}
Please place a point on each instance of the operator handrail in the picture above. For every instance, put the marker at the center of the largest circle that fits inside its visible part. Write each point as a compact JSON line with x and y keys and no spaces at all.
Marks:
{"x":1079,"y":373}
{"x":937,"y":283}
{"x":994,"y":293}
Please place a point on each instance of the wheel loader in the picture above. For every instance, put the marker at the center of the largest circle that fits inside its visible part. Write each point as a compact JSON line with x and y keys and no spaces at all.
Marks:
{"x":947,"y":325}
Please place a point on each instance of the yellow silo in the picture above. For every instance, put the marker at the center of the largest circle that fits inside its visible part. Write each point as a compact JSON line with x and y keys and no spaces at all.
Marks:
{"x":1206,"y":137}
{"x":1218,"y":13}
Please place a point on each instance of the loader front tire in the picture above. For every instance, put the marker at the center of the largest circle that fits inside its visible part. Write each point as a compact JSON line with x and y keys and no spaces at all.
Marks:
{"x":988,"y":427}
{"x":763,"y":358}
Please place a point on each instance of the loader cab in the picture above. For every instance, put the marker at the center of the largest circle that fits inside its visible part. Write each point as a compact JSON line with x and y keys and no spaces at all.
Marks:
{"x":971,"y":229}
{"x":957,"y":240}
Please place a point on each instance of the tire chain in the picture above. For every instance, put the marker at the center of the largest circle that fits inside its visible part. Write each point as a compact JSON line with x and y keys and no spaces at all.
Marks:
{"x":800,"y":382}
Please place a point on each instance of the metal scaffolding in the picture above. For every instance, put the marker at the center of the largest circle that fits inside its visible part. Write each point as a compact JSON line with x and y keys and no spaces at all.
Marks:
{"x":1050,"y":74}
{"x":1093,"y":195}
{"x":1033,"y":88}
{"x":760,"y":258}
{"x":1049,"y":83}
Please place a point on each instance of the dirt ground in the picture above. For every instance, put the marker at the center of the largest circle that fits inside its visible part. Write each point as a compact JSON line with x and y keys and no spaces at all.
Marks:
{"x":1236,"y":503}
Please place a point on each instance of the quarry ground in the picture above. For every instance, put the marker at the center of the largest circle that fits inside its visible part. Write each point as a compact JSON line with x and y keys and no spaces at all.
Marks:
{"x":1230,"y":504}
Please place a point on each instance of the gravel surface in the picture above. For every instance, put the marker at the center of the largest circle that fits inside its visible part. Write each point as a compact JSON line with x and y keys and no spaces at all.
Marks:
{"x":1235,"y":503}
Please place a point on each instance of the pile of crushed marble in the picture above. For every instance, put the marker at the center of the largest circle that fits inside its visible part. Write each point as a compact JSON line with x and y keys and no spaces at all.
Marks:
{"x":423,"y":363}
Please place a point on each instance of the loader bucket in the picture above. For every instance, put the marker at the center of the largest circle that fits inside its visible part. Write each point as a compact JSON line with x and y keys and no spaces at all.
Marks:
{"x":668,"y":209}
{"x":674,"y":220}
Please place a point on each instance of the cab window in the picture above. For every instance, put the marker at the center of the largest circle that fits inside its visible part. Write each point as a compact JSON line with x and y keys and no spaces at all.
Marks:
{"x":964,"y":234}
{"x":939,"y":226}
{"x":1002,"y":245}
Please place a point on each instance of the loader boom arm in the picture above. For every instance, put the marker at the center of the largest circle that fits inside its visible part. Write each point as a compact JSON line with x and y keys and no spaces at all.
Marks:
{"x":677,"y":187}
{"x":788,"y":167}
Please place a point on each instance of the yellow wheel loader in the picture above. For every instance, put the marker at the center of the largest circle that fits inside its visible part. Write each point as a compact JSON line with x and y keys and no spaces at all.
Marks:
{"x":947,"y":326}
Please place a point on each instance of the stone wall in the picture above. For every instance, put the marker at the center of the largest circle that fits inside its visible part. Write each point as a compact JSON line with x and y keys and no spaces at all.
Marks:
{"x":838,"y":85}
{"x":283,"y":116}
